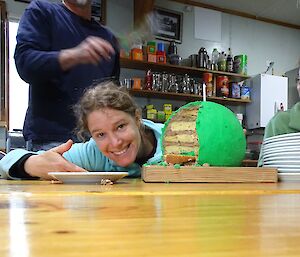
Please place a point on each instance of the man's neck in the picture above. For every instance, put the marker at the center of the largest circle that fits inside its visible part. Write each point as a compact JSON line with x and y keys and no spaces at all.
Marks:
{"x":82,"y":11}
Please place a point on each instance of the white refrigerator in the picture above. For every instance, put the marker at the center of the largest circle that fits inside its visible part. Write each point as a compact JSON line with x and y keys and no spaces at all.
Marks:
{"x":269,"y":94}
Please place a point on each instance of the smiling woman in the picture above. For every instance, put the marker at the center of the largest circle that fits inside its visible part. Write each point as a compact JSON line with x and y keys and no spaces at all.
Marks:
{"x":120,"y":140}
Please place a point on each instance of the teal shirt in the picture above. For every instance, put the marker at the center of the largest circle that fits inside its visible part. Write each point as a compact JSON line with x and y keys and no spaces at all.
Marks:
{"x":88,"y":156}
{"x":282,"y":123}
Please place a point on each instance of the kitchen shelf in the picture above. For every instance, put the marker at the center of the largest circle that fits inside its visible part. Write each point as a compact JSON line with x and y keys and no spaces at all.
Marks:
{"x":185,"y":97}
{"x":143,"y":65}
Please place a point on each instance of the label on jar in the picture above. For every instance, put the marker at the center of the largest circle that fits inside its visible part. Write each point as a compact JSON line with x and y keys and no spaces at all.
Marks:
{"x":209,"y":89}
{"x":222,"y":86}
{"x":245,"y":92}
{"x":207,"y":77}
{"x":235,"y":90}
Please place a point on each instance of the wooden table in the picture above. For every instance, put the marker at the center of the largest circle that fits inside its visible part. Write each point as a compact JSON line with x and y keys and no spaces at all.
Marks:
{"x":133,"y":218}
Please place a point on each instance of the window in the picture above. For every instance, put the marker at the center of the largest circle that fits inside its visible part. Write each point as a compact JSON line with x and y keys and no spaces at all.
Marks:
{"x":18,"y":89}
{"x":3,"y":64}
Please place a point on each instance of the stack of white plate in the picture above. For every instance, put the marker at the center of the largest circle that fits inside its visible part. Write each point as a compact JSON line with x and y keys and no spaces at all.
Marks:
{"x":283,"y":153}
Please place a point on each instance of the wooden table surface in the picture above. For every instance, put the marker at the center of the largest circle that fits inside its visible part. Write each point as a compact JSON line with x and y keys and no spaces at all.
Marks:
{"x":133,"y":218}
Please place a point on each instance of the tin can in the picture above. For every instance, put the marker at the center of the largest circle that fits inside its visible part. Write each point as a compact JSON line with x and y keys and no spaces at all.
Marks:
{"x":222,"y":86}
{"x":240,"y":64}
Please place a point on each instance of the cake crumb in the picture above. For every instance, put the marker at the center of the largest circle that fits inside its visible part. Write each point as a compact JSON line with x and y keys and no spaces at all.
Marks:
{"x":106,"y":182}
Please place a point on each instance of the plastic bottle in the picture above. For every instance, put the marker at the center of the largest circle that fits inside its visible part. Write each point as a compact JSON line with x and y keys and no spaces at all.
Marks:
{"x":172,"y":49}
{"x":214,"y":59}
{"x":137,"y":52}
{"x":148,"y":80}
{"x":222,"y":62}
{"x":229,"y":61}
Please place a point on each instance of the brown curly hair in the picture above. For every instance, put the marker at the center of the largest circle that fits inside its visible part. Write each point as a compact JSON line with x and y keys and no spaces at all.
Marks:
{"x":103,"y":95}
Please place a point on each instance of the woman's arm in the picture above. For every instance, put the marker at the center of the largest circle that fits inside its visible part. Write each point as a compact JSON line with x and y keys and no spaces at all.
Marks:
{"x":22,"y":164}
{"x":49,"y":161}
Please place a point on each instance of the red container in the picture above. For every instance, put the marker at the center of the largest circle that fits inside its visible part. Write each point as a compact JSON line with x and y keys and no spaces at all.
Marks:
{"x":222,"y":86}
{"x":208,"y":80}
{"x":207,"y":77}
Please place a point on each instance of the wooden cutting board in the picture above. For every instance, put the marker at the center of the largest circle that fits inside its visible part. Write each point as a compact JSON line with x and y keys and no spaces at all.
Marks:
{"x":209,"y":174}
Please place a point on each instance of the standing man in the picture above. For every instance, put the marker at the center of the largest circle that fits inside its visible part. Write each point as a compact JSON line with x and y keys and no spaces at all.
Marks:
{"x":61,"y":50}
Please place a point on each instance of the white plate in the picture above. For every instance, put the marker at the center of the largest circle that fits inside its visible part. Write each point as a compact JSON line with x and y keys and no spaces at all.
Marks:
{"x":283,"y":162}
{"x":280,"y":165}
{"x":286,"y":154}
{"x":288,"y":177}
{"x":281,"y":149}
{"x":287,"y":139}
{"x":283,"y":136}
{"x":87,"y":177}
{"x":282,"y":144}
{"x":289,"y":170}
{"x":281,"y":158}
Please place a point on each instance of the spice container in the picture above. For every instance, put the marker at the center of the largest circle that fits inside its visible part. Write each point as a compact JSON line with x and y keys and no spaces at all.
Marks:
{"x":160,"y":53}
{"x":168,"y":108}
{"x":151,"y":51}
{"x":137,"y":83}
{"x":151,"y":47}
{"x":161,"y":116}
{"x":151,"y":114}
{"x":137,"y":53}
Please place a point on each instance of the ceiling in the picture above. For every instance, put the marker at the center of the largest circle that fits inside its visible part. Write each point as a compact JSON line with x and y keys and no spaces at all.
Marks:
{"x":284,"y":12}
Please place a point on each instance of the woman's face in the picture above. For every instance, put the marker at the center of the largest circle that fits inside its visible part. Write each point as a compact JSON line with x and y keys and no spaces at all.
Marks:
{"x":116,"y":133}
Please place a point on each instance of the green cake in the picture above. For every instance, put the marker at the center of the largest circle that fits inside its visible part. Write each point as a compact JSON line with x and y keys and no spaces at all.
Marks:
{"x":203,"y":133}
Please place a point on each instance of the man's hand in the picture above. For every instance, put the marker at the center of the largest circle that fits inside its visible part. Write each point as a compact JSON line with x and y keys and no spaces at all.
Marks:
{"x":92,"y":50}
{"x":52,"y":160}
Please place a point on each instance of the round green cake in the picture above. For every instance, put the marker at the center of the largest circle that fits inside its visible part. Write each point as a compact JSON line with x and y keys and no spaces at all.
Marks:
{"x":209,"y":131}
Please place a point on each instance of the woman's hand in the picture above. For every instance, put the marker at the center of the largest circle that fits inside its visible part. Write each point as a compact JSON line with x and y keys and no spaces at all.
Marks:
{"x":52,"y":160}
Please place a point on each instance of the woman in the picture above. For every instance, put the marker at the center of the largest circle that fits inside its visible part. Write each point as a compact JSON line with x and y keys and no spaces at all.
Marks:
{"x":120,"y":140}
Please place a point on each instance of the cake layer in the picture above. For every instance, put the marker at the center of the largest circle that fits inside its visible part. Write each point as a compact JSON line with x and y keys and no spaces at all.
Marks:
{"x":180,"y":159}
{"x":189,"y":114}
{"x":182,"y":144}
{"x":183,"y":125}
{"x":181,"y":138}
{"x":178,"y":149}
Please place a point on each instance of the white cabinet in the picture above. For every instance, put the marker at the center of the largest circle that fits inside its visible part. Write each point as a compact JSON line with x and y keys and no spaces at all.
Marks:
{"x":269,"y":94}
